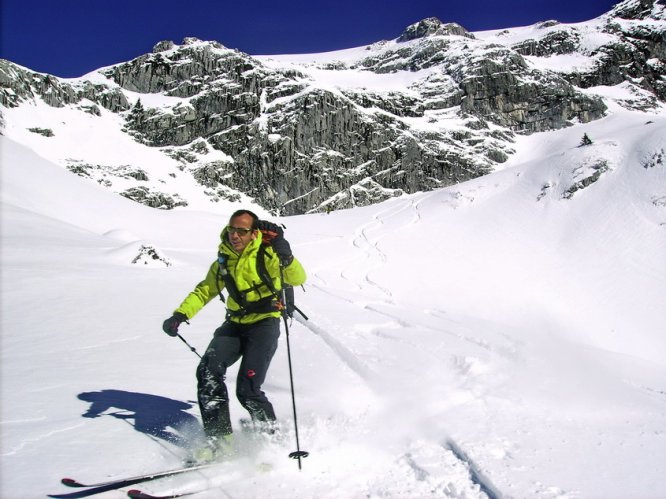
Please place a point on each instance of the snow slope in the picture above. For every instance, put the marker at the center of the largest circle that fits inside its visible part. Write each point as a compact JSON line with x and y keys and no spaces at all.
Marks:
{"x":512,"y":325}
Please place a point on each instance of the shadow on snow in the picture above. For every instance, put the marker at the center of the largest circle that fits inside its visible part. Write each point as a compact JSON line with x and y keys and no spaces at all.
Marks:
{"x":153,"y":415}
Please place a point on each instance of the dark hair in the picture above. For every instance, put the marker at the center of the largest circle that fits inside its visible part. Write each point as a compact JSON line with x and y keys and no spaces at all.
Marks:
{"x":238,"y":213}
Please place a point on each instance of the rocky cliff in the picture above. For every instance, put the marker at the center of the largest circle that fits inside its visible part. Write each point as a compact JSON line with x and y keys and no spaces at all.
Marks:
{"x":436,"y":106}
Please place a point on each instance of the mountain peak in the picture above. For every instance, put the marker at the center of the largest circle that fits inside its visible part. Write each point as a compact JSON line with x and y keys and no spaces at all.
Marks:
{"x":163,"y":46}
{"x":190,"y":41}
{"x":432,"y":26}
{"x":639,"y":9}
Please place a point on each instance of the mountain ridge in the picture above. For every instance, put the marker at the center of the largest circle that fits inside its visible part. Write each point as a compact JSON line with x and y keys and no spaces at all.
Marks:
{"x":434,"y":107}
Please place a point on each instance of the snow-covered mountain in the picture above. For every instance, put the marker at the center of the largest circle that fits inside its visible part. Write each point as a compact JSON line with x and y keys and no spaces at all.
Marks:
{"x":500,"y":337}
{"x":196,"y":123}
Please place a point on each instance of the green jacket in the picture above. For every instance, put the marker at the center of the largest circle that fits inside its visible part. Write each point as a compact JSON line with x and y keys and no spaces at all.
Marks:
{"x":243,"y":268}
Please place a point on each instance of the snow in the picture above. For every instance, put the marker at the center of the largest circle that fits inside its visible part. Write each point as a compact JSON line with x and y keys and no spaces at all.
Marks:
{"x":563,"y":62}
{"x":386,"y":82}
{"x":105,"y":146}
{"x":499,"y":337}
{"x":345,"y":55}
{"x":333,"y":79}
{"x":496,"y":329}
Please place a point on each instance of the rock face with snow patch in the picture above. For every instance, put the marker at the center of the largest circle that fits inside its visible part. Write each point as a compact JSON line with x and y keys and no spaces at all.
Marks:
{"x":18,"y":85}
{"x":635,"y":50}
{"x":149,"y":256}
{"x":296,"y":144}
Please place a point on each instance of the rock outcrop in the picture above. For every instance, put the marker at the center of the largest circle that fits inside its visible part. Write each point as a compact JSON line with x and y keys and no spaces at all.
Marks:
{"x":241,"y":125}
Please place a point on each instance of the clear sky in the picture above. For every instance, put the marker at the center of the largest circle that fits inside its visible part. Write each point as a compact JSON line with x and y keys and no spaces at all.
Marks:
{"x":69,"y":38}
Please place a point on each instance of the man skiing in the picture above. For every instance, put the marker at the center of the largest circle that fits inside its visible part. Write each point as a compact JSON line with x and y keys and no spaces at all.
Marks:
{"x":253,"y":273}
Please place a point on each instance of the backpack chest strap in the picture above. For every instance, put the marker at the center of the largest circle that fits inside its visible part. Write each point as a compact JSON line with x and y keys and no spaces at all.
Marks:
{"x":266,"y":304}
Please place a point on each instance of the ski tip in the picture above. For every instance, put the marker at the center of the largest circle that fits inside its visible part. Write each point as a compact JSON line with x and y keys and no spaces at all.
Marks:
{"x":137,"y":494}
{"x":70,"y":482}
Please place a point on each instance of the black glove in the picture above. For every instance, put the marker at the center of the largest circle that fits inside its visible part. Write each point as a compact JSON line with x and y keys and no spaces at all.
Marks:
{"x":270,"y":230}
{"x":283,"y":250}
{"x":274,"y":234}
{"x":170,"y":325}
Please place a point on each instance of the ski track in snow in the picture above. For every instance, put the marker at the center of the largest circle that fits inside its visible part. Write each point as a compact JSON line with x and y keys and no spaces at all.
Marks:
{"x":373,"y":257}
{"x":34,"y":440}
{"x":345,"y":355}
{"x":420,"y":474}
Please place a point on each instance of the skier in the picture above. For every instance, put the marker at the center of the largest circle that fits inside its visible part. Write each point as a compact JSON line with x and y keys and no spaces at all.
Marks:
{"x":253,"y":274}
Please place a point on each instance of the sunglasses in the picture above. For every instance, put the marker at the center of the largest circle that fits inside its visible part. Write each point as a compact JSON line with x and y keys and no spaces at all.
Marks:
{"x":241,"y":231}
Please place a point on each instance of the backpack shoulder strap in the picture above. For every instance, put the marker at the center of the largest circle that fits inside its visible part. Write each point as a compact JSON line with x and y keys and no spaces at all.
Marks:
{"x":229,"y":283}
{"x":262,"y":270}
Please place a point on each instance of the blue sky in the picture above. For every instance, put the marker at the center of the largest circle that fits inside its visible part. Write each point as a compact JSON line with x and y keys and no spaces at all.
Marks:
{"x":69,"y":38}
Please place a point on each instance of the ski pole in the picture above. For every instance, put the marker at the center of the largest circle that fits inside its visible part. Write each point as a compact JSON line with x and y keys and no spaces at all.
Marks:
{"x":298,"y":453}
{"x":188,"y":345}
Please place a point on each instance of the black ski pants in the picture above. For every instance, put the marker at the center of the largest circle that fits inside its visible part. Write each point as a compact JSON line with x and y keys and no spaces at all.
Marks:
{"x":255,"y":345}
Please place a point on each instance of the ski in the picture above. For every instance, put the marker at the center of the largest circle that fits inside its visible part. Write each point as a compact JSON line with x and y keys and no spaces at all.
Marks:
{"x":70,"y":482}
{"x":97,"y":488}
{"x":138,"y":494}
